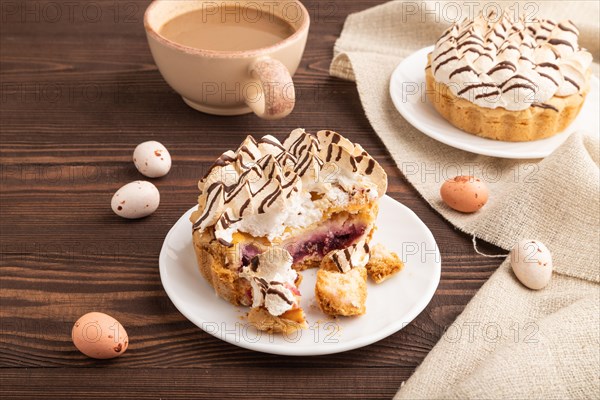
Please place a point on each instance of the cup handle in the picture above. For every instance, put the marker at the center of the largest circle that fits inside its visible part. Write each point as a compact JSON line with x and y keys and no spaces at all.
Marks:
{"x":275,"y":95}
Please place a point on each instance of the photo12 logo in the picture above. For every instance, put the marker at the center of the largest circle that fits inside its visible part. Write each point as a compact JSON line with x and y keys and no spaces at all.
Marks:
{"x":53,"y":12}
{"x":327,"y":332}
{"x":491,"y":332}
{"x":518,"y":90}
{"x":251,"y":11}
{"x":491,"y":172}
{"x":454,"y":11}
{"x":68,"y":93}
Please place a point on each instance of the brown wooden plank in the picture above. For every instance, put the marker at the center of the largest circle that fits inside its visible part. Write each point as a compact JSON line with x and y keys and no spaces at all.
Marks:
{"x":76,"y":98}
{"x":185,"y":383}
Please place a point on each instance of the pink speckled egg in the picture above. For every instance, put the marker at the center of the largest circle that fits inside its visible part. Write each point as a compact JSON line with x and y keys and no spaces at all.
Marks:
{"x":466,"y":194}
{"x":98,"y":335}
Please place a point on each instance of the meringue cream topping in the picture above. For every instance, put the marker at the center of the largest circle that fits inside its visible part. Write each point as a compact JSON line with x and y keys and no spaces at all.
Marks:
{"x":514,"y":64}
{"x":265,"y":186}
{"x":272,"y":279}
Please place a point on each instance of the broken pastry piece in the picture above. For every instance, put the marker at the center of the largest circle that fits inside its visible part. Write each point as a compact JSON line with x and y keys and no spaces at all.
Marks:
{"x":275,"y":295}
{"x":383,"y":263}
{"x":342,"y":293}
{"x":341,"y":287}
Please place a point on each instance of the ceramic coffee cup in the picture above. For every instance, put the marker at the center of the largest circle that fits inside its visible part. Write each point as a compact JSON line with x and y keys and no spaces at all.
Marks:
{"x":230,"y":82}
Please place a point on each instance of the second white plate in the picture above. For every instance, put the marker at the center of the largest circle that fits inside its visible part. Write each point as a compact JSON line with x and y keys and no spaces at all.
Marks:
{"x":390,"y":305}
{"x":407,"y":89}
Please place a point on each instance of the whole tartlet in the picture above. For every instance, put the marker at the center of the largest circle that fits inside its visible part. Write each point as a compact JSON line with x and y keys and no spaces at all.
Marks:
{"x":509,"y":80}
{"x":271,"y":209}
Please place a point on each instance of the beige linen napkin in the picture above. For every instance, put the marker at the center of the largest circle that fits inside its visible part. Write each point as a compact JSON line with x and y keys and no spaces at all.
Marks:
{"x":510,"y":342}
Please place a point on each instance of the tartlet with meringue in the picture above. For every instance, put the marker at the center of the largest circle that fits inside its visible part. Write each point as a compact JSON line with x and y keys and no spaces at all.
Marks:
{"x":509,"y":79}
{"x":269,"y":210}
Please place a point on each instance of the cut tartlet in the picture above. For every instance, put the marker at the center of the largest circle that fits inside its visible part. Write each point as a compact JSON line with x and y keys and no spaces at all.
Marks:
{"x":282,"y":206}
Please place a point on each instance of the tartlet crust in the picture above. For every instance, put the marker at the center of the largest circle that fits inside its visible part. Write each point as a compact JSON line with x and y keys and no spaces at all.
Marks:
{"x":211,"y":257}
{"x":533,"y":123}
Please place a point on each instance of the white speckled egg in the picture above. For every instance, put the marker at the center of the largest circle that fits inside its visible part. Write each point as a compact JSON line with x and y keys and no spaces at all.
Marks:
{"x":136,"y":200}
{"x":152,"y":159}
{"x":99,"y":335}
{"x":531,"y":262}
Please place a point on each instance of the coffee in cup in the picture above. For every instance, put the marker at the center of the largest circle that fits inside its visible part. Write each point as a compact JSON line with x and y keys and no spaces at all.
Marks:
{"x":229,"y":57}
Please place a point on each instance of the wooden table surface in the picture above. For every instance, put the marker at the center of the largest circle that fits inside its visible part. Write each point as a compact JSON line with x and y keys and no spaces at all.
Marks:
{"x":79,"y":92}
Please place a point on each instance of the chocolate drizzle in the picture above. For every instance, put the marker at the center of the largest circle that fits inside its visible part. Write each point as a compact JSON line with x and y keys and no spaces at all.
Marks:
{"x":267,"y":201}
{"x":223,"y":160}
{"x":339,"y":154}
{"x":214,"y":192}
{"x":444,"y":63}
{"x":245,"y":149}
{"x":523,"y":58}
{"x":548,"y":77}
{"x":336,"y":260}
{"x":329,"y":153}
{"x":500,"y":35}
{"x":280,"y":294}
{"x":563,"y":42}
{"x":503,"y":65}
{"x":481,"y":54}
{"x":567,"y":29}
{"x":509,"y":47}
{"x":519,"y":86}
{"x":518,"y":76}
{"x":489,"y":94}
{"x":572,"y":82}
{"x":468,"y":42}
{"x":370,"y":167}
{"x":227,"y":221}
{"x":254,"y":266}
{"x":244,"y":206}
{"x":272,"y":143}
{"x":545,"y":106}
{"x":335,"y":137}
{"x":476,"y":86}
{"x":443,"y":53}
{"x":549,"y":65}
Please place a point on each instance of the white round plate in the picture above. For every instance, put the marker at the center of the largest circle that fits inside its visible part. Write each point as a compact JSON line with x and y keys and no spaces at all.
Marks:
{"x":391,"y":305}
{"x":408,"y":91}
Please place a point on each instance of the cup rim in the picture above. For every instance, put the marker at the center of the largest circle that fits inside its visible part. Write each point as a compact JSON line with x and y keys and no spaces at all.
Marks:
{"x":226,"y":53}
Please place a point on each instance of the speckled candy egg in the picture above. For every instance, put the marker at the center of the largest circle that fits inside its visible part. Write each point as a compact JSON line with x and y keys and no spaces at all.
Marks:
{"x":136,"y":200}
{"x":466,"y":194}
{"x":152,"y":159}
{"x":99,"y":335}
{"x":531,"y":262}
